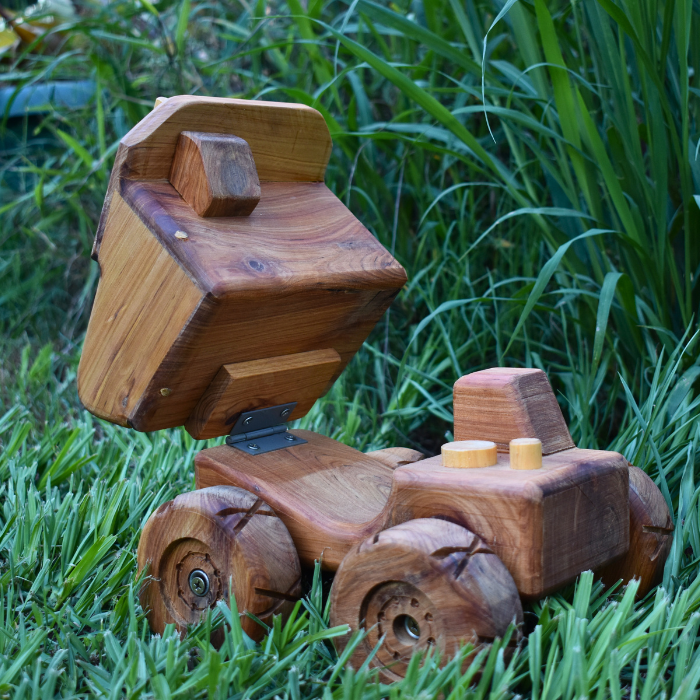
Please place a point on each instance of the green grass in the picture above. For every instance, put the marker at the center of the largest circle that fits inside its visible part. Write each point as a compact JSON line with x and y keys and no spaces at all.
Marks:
{"x":566,"y":241}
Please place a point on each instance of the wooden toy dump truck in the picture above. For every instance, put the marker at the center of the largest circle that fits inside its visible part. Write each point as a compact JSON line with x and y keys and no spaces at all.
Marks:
{"x":235,"y":287}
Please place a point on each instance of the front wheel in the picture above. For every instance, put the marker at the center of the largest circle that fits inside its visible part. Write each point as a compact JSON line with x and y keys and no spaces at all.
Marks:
{"x":425,"y":583}
{"x":204,"y":546}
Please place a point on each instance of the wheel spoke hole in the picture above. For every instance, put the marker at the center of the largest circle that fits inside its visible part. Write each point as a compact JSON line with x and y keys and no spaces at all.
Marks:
{"x":406,"y":629}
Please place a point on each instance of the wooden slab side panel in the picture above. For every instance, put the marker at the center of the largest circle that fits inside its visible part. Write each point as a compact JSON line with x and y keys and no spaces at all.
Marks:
{"x":144,"y":300}
{"x":502,"y":404}
{"x":246,"y":386}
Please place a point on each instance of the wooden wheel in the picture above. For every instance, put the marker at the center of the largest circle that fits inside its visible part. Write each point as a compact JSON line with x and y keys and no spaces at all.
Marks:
{"x":651,"y":536}
{"x":199,"y":542}
{"x":424,"y":583}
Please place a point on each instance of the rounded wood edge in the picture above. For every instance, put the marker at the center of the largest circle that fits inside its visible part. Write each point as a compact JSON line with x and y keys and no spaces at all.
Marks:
{"x":172,"y":107}
{"x":651,"y":537}
{"x":427,"y":583}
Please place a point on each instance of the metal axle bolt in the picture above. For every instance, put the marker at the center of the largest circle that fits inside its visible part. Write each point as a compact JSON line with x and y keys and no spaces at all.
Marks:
{"x":199,"y":583}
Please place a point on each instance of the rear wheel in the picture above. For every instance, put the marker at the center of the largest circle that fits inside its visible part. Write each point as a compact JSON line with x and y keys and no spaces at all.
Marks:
{"x":426,"y":583}
{"x":208,"y":545}
{"x":651,"y":536}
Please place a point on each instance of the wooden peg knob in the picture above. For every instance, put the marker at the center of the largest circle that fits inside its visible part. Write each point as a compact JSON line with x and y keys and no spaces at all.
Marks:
{"x":525,"y":453}
{"x":469,"y":454}
{"x":215,"y":174}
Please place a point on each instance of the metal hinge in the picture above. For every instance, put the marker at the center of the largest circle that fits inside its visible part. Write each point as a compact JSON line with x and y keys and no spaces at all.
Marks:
{"x":260,"y":431}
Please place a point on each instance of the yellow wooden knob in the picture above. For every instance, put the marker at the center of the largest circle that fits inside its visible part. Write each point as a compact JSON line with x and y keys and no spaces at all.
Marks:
{"x":525,"y":453}
{"x":469,"y":454}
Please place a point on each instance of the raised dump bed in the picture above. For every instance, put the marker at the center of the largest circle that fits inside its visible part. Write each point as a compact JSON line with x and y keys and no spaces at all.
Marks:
{"x":260,"y":299}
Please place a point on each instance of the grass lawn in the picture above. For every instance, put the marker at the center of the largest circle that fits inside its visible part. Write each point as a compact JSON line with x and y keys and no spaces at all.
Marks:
{"x":544,"y":209}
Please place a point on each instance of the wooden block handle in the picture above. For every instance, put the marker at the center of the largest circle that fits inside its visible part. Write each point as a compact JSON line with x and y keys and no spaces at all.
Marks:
{"x":502,"y":404}
{"x":215,"y":174}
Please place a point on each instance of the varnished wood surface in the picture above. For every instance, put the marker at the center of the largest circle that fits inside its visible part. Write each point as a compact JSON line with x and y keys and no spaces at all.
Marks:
{"x":299,"y":236}
{"x":651,"y":537}
{"x":143,"y":302}
{"x":396,"y":456}
{"x":289,"y":142}
{"x":299,"y":274}
{"x":236,"y":540}
{"x":215,"y":174}
{"x":435,"y":575}
{"x":501,"y":404}
{"x":547,"y":525}
{"x":330,"y":496}
{"x":300,"y":378}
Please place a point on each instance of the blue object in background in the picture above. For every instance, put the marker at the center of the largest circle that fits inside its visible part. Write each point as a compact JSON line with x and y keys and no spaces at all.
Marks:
{"x":42,"y":97}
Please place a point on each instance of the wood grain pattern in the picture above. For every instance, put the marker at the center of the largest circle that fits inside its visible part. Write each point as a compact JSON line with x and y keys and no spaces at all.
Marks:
{"x":299,"y":274}
{"x":651,"y":537}
{"x":396,"y":456}
{"x":424,"y":584}
{"x":501,"y":404}
{"x":246,"y":386}
{"x":215,"y":174}
{"x":330,"y":496}
{"x":546,"y":525}
{"x":236,"y":540}
{"x":142,"y":304}
{"x":299,"y":236}
{"x":289,"y":142}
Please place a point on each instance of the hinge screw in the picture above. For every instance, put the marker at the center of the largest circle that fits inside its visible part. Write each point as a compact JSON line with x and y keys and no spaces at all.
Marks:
{"x":253,"y":446}
{"x":290,"y":437}
{"x":248,"y":420}
{"x":286,"y":412}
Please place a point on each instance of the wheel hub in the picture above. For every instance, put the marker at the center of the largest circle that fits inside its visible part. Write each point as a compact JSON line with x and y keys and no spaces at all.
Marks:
{"x":199,"y":583}
{"x":405,"y":616}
